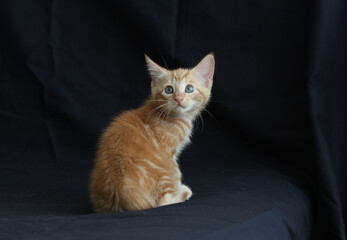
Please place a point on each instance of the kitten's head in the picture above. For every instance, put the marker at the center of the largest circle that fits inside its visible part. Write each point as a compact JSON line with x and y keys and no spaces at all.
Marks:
{"x":182,"y":91}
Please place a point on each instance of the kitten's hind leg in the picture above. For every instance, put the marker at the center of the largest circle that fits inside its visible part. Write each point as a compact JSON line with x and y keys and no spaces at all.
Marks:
{"x":136,"y":199}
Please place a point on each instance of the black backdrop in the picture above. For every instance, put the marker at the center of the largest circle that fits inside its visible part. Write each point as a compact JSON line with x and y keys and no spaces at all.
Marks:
{"x":279,"y":95}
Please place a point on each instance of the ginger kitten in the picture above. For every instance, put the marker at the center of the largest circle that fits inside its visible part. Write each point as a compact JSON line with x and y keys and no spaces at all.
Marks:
{"x":136,"y":164}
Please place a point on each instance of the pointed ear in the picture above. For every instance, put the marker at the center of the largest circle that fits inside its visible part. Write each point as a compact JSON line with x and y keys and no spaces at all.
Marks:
{"x":155,"y":71}
{"x":205,"y":69}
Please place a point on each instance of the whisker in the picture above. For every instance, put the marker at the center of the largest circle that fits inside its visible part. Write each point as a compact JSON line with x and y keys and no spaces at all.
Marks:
{"x":197,"y":121}
{"x":196,"y":126}
{"x":163,"y":60}
{"x":202,"y":122}
{"x":157,"y":100}
{"x":165,"y":113}
{"x":211,"y":115}
{"x":153,"y":110}
{"x":159,"y":115}
{"x":168,"y":113}
{"x":168,"y":132}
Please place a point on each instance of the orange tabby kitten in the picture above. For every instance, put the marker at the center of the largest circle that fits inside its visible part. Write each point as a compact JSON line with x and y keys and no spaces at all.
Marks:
{"x":136,"y":165}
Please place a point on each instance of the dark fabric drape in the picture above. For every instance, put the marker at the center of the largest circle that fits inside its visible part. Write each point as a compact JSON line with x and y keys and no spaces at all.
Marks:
{"x":327,"y":84}
{"x":279,"y":95}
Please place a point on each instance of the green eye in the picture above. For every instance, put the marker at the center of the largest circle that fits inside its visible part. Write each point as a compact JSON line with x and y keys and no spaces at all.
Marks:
{"x":169,"y":90}
{"x":189,"y":89}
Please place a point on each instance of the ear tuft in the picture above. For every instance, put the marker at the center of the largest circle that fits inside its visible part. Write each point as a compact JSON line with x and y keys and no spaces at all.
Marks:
{"x":205,"y":69}
{"x":155,"y":71}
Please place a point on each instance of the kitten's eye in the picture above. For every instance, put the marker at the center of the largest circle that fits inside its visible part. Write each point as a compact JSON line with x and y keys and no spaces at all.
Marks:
{"x":189,"y":89}
{"x":169,"y":90}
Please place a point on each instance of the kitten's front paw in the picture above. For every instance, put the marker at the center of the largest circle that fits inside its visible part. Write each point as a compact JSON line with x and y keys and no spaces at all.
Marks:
{"x":186,"y":193}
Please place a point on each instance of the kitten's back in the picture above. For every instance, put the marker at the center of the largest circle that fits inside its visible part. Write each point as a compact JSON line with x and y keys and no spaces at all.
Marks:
{"x":128,"y":166}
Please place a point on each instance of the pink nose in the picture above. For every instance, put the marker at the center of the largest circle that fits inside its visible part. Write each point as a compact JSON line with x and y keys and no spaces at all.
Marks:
{"x":178,"y":99}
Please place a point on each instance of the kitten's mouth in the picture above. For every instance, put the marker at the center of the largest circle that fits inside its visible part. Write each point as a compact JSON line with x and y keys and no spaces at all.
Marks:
{"x":179,"y":105}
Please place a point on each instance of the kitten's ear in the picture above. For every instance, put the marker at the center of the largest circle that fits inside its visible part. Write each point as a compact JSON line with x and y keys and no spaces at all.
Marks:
{"x":205,"y":69}
{"x":155,"y":71}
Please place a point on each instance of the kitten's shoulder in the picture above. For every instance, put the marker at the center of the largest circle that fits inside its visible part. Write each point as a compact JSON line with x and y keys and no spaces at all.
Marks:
{"x":132,"y":117}
{"x":123,"y":122}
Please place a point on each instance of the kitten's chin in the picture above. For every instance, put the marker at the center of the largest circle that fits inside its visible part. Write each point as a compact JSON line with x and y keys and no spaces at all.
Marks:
{"x":185,"y":112}
{"x":177,"y":112}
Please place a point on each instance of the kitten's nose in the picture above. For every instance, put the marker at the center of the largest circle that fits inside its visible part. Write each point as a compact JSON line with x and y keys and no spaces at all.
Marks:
{"x":178,"y":99}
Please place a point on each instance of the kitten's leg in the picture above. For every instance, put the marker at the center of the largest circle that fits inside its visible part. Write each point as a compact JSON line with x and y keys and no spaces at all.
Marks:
{"x":167,"y":199}
{"x":167,"y":196}
{"x":184,"y":193}
{"x":168,"y":193}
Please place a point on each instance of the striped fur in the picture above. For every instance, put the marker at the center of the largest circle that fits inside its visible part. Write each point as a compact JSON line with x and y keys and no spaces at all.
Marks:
{"x":136,"y":163}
